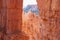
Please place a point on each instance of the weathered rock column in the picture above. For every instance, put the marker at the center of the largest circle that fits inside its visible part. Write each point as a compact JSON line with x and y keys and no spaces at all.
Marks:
{"x":50,"y":16}
{"x":11,"y":20}
{"x":14,"y":15}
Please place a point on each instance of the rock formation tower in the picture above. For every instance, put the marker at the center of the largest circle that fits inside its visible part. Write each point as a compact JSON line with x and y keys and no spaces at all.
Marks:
{"x":11,"y":20}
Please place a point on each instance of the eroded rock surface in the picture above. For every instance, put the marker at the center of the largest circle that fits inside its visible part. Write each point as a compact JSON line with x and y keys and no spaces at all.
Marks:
{"x":50,"y":15}
{"x":43,"y":27}
{"x":31,"y":25}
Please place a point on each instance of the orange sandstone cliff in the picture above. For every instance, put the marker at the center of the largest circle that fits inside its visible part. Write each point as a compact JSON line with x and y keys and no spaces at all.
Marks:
{"x":15,"y":25}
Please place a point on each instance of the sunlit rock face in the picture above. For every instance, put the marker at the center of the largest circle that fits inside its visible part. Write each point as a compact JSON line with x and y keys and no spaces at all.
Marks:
{"x":50,"y":16}
{"x":31,"y":25}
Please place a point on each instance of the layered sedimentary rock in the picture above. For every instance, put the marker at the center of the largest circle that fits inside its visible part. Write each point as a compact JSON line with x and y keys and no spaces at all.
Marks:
{"x":50,"y":16}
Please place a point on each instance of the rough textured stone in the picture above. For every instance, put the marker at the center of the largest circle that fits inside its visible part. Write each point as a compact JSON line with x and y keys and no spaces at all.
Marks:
{"x":16,"y":36}
{"x":49,"y":13}
{"x":11,"y":20}
{"x":45,"y":27}
{"x":31,"y":25}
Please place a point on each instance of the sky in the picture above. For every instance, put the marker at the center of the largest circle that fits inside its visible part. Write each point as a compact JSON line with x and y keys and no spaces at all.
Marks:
{"x":26,"y":2}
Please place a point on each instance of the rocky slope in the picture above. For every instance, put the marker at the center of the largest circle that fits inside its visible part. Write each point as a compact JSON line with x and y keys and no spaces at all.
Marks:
{"x":31,"y":25}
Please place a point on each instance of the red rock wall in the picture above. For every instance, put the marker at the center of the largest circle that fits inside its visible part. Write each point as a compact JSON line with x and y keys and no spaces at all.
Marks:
{"x":0,"y":19}
{"x":14,"y":15}
{"x":34,"y":27}
{"x":11,"y":20}
{"x":50,"y":16}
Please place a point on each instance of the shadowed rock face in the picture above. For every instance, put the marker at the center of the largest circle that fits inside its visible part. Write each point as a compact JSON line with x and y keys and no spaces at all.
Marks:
{"x":11,"y":20}
{"x":50,"y":16}
{"x":16,"y":36}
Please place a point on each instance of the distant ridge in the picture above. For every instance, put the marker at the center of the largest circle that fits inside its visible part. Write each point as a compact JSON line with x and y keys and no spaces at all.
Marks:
{"x":32,"y":8}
